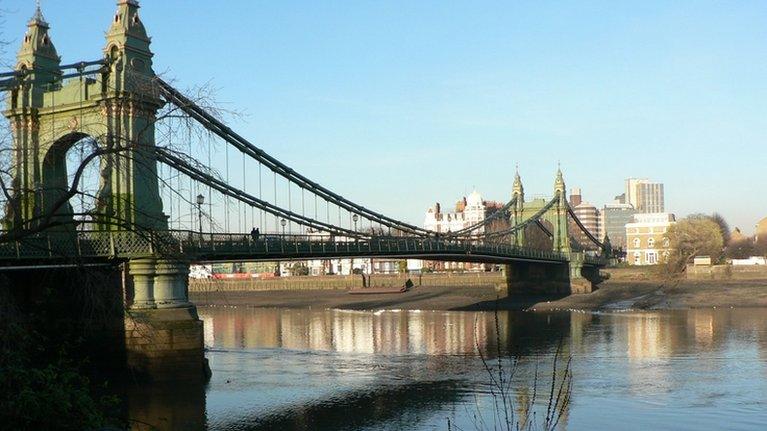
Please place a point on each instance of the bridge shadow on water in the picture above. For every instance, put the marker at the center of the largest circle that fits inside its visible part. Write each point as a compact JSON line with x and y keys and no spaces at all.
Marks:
{"x":356,"y":409}
{"x":183,"y":407}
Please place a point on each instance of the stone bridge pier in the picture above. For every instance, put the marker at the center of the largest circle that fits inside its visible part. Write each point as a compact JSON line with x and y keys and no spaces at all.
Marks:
{"x":163,"y":333}
{"x":550,"y":278}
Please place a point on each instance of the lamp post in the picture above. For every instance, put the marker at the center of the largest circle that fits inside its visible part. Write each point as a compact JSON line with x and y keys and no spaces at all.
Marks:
{"x":200,"y":201}
{"x":283,"y":222}
{"x":355,"y":217}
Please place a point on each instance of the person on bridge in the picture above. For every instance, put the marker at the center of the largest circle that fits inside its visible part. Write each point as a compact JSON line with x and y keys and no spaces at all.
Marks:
{"x":254,"y":233}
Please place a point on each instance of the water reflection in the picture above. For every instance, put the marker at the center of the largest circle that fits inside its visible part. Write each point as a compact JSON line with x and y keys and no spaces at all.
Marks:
{"x":166,"y":407}
{"x":383,"y":332}
{"x":331,"y":369}
{"x":388,"y":332}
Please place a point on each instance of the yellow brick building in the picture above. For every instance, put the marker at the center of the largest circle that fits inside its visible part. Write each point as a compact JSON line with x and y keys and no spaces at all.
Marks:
{"x":645,"y":238}
{"x":760,"y":232}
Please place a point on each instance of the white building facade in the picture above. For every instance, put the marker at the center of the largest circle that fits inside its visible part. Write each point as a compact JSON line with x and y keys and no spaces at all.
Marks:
{"x":468,"y":211}
{"x":646,"y":238}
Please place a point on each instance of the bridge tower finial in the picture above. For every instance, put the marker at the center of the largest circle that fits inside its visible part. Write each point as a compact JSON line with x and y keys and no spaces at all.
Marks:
{"x":517,"y":188}
{"x":561,"y":234}
{"x":559,"y":183}
{"x":37,"y":51}
{"x":517,"y":211}
{"x":128,"y":30}
{"x":38,"y":12}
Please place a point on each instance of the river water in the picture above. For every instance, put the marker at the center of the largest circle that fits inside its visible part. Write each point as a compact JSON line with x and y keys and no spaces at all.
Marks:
{"x":288,"y":369}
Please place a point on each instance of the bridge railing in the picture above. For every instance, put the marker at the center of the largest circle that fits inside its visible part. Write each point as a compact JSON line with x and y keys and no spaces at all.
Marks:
{"x":196,"y":245}
{"x":306,"y":245}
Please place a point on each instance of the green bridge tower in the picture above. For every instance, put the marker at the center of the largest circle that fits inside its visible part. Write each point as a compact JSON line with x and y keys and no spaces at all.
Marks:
{"x":117,"y":109}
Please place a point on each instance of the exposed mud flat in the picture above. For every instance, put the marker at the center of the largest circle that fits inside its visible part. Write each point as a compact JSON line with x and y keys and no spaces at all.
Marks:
{"x":612,"y":295}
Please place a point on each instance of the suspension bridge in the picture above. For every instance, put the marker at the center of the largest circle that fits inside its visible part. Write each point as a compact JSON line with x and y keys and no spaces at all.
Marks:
{"x":111,"y":164}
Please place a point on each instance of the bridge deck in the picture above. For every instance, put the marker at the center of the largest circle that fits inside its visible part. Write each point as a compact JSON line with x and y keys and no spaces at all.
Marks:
{"x":206,"y":247}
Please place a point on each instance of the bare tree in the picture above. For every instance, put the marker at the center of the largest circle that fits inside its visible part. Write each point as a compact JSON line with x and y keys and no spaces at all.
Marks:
{"x":173,"y":127}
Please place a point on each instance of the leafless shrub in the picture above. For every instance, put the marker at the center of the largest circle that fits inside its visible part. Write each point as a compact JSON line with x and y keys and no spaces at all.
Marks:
{"x":521,"y":414}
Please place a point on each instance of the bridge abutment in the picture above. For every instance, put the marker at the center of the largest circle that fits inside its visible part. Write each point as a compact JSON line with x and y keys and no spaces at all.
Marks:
{"x":546,"y":278}
{"x":165,"y":344}
{"x":583,"y":278}
{"x":163,"y":333}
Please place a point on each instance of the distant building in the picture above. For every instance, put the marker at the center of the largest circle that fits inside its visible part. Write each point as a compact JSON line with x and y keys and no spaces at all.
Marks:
{"x":589,"y":216}
{"x":615,"y":217}
{"x":760,"y":234}
{"x":645,"y":237}
{"x":349,"y":266}
{"x":646,"y":196}
{"x":736,"y":236}
{"x":344,"y":266}
{"x":200,"y":271}
{"x":575,"y":197}
{"x":468,"y":211}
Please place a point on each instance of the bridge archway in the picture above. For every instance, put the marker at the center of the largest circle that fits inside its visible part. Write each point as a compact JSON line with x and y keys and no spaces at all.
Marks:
{"x":536,"y":238}
{"x":64,"y":163}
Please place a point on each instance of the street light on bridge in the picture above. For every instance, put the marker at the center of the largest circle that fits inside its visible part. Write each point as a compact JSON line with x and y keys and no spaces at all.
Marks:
{"x":355,"y":218}
{"x":200,"y":201}
{"x":283,"y":222}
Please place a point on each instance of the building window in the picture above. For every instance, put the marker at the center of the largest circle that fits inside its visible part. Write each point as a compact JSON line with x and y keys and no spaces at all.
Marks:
{"x":637,"y":258}
{"x":650,"y":242}
{"x":637,"y":242}
{"x":651,"y":257}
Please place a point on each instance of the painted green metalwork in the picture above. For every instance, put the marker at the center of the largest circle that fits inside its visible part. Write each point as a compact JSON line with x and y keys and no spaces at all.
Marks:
{"x":554,"y":213}
{"x":195,"y":246}
{"x":116,"y":107}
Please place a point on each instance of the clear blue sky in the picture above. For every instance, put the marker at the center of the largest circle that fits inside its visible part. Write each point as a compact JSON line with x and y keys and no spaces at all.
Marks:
{"x":400,"y":104}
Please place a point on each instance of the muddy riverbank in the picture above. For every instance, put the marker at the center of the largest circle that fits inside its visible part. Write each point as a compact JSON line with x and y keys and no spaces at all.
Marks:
{"x":620,"y":293}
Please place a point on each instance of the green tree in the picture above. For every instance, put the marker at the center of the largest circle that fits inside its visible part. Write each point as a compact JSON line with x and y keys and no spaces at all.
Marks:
{"x":724,"y":227}
{"x":693,"y":236}
{"x":402,"y":266}
{"x":742,"y":249}
{"x":299,"y":268}
{"x":760,"y":246}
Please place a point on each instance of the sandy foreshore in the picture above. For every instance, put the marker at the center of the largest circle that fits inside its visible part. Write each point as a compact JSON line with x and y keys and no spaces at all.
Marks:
{"x":611,"y":295}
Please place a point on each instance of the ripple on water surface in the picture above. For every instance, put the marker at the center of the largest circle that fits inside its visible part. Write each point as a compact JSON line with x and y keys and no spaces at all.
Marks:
{"x":330,"y":369}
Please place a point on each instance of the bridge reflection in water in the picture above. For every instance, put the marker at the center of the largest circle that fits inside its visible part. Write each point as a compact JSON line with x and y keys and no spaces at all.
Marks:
{"x":383,"y":332}
{"x":330,"y":369}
